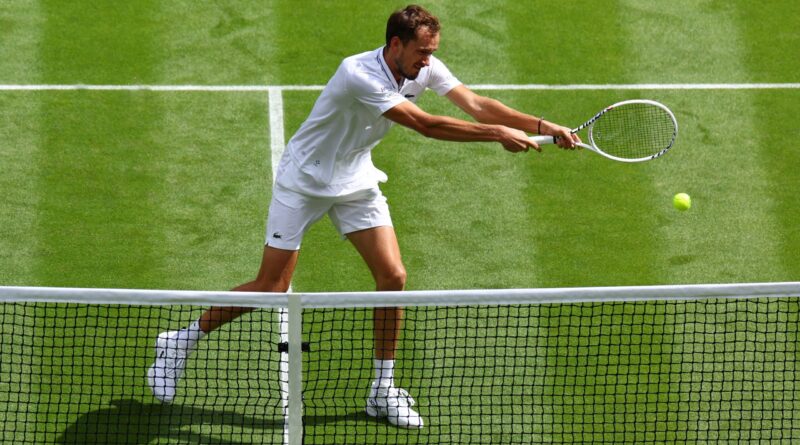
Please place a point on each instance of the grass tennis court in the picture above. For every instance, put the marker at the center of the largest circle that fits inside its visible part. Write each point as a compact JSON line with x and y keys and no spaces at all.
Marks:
{"x":169,"y":189}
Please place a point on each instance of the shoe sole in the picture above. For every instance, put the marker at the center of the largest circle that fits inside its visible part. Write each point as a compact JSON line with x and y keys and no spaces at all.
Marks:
{"x":373,"y":412}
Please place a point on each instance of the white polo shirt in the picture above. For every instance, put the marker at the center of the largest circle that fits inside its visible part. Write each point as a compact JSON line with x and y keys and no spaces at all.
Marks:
{"x":330,"y":155}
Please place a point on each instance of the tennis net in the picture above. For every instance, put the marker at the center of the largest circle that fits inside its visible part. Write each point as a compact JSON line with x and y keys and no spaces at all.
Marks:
{"x":657,"y":364}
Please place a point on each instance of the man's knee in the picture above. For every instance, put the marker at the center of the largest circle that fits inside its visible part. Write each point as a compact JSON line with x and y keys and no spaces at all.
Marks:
{"x":265,"y":284}
{"x":268,"y":285}
{"x":393,"y":279}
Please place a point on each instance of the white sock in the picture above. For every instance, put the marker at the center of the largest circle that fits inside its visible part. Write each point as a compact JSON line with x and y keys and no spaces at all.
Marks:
{"x":189,"y":336}
{"x":384,"y":372}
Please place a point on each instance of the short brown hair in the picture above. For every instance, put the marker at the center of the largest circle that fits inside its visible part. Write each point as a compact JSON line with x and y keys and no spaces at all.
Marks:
{"x":405,"y":23}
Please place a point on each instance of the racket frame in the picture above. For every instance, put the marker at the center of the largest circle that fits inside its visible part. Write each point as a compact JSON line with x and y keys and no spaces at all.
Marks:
{"x":590,"y":124}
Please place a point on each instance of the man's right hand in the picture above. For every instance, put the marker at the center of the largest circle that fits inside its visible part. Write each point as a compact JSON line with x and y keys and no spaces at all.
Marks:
{"x":515,"y":140}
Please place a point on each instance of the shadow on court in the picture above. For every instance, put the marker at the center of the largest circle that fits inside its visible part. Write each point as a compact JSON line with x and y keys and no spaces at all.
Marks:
{"x":130,"y":422}
{"x":681,"y":260}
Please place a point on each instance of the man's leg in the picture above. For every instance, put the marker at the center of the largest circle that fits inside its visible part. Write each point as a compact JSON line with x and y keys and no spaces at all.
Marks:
{"x":378,"y":246}
{"x":380,"y":250}
{"x":174,"y":347}
{"x":275,"y":275}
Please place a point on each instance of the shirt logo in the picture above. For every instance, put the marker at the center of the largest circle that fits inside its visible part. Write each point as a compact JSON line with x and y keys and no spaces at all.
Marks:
{"x":409,"y":96}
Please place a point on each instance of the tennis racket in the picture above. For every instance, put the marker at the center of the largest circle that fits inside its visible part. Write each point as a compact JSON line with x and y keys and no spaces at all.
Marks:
{"x":628,"y":131}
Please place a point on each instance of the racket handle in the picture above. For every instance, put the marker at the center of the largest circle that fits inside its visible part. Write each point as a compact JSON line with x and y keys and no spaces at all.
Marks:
{"x":543,"y":140}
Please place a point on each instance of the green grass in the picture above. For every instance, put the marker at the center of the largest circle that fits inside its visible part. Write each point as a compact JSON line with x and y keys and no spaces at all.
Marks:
{"x":170,"y":190}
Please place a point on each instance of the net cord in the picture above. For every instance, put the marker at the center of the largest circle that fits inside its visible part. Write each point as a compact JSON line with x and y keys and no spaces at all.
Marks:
{"x":14,"y":294}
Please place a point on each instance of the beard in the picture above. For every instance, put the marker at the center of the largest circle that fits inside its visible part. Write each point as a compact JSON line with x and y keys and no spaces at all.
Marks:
{"x":404,"y":72}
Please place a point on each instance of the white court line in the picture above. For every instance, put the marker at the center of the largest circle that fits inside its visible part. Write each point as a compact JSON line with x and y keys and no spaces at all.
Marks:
{"x":289,"y":381}
{"x":645,"y":86}
{"x":277,"y":146}
{"x":545,"y":87}
{"x":276,"y":133}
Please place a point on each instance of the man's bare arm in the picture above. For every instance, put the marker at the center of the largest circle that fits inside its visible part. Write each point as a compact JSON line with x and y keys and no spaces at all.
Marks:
{"x":452,"y":129}
{"x":492,"y":111}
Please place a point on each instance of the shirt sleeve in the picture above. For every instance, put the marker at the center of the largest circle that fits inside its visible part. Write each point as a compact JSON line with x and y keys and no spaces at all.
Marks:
{"x":377,"y":96}
{"x":441,"y":80}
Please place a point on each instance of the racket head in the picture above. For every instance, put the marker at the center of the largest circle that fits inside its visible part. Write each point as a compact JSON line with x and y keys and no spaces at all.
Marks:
{"x":633,"y":131}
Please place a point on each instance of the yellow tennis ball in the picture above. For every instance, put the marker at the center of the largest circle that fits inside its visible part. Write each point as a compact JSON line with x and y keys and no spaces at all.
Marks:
{"x":682,"y":201}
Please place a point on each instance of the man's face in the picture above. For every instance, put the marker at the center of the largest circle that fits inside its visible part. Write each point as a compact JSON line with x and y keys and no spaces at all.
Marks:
{"x":416,"y":54}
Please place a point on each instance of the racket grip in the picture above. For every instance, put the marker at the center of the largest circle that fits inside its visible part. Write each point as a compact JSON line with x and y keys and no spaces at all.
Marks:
{"x":543,"y":140}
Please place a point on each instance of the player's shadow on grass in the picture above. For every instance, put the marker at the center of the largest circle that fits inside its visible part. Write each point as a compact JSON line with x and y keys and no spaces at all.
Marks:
{"x":359,"y":416}
{"x":130,"y":422}
{"x":681,"y":260}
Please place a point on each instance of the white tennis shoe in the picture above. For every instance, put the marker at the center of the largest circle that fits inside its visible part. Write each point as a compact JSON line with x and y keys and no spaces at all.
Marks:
{"x":165,"y":373}
{"x":394,"y":404}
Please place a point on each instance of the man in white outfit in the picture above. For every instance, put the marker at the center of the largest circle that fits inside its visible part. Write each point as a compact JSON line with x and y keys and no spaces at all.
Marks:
{"x":327,"y":169}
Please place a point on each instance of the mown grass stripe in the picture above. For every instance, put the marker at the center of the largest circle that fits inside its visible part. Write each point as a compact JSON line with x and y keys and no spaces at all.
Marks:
{"x":219,"y":42}
{"x":98,"y":175}
{"x":716,"y":238}
{"x":99,"y":167}
{"x":775,"y":119}
{"x":19,"y":139}
{"x":19,"y":23}
{"x":20,"y":142}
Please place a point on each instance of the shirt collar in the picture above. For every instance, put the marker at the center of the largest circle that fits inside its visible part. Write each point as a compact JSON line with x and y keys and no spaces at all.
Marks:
{"x":386,"y":71}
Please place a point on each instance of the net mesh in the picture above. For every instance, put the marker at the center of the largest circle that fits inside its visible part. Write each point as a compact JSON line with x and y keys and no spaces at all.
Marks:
{"x":707,"y":371}
{"x":76,"y":374}
{"x":647,"y":372}
{"x":634,"y":130}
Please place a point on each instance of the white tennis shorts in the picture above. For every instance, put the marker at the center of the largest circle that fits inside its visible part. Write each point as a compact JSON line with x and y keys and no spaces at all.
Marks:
{"x":291,"y":214}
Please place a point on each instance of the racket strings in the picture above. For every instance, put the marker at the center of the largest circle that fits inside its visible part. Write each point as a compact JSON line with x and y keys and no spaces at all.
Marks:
{"x":634,"y":131}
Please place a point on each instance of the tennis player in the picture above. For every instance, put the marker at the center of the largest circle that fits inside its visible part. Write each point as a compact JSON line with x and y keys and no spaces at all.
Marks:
{"x":327,"y":169}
